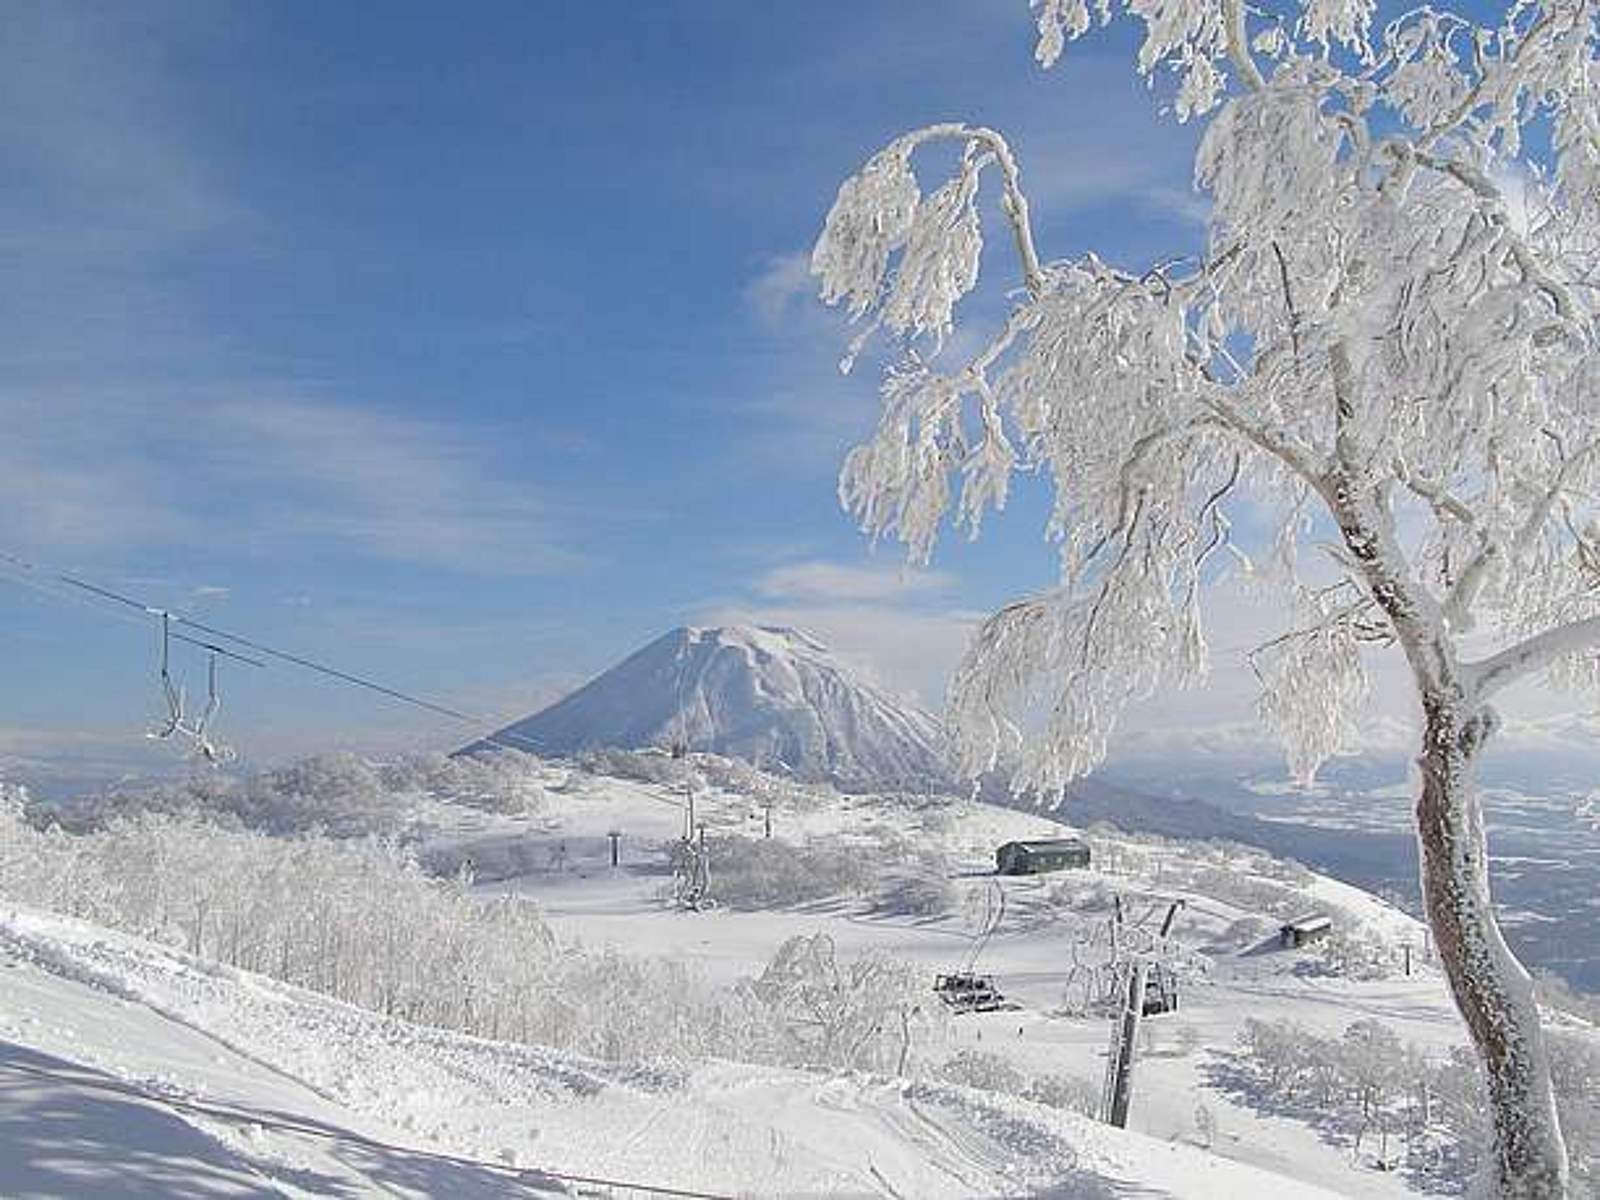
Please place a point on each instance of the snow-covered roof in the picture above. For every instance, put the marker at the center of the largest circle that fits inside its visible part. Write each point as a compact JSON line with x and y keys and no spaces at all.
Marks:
{"x":1309,"y":923}
{"x":1047,"y":844}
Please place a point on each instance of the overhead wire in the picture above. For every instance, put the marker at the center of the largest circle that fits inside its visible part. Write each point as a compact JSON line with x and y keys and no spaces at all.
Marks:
{"x":29,"y":576}
{"x":40,"y":579}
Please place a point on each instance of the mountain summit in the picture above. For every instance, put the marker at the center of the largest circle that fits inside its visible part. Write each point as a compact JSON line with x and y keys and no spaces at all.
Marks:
{"x":771,"y":696}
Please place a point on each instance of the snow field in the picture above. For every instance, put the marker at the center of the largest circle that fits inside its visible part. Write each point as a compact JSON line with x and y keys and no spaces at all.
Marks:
{"x":81,"y":1001}
{"x":734,"y":1128}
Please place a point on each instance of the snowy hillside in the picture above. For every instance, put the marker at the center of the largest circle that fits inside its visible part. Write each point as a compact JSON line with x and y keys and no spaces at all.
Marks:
{"x":923,"y":893}
{"x":312,"y":1016}
{"x":770,"y":696}
{"x":129,"y":1069}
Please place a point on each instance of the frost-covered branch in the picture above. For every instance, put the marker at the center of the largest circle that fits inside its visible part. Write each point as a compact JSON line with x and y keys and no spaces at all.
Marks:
{"x":1478,"y":182}
{"x":880,"y":214}
{"x":1239,"y":46}
{"x":1534,"y":654}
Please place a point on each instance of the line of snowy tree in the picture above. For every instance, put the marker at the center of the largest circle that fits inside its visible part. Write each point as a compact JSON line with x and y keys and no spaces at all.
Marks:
{"x":993,"y":1073}
{"x":359,"y":919}
{"x":338,"y":793}
{"x":1412,"y":1110}
{"x":740,"y":778}
{"x":897,"y":877}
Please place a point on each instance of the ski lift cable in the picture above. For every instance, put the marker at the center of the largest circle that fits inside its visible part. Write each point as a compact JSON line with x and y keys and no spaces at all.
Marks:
{"x":491,"y":732}
{"x":27,"y":575}
{"x":269,"y":651}
{"x":283,"y":655}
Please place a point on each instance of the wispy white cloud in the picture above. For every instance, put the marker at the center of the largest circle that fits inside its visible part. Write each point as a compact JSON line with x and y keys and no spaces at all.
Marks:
{"x":94,"y":470}
{"x":108,"y":196}
{"x":817,"y":580}
{"x":86,"y":108}
{"x":111,"y":364}
{"x":783,"y":282}
{"x":399,"y":487}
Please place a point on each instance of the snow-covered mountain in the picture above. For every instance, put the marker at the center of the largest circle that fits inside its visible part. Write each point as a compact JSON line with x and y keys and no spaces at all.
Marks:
{"x":771,"y":696}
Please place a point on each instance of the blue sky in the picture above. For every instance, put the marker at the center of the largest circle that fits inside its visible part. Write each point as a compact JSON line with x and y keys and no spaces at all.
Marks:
{"x":472,"y":348}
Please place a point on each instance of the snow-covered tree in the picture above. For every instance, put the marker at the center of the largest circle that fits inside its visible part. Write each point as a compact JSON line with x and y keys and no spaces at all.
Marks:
{"x":855,"y":1015}
{"x":1389,"y":337}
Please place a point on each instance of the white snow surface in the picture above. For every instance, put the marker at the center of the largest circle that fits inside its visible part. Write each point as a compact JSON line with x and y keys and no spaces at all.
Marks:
{"x":771,"y":696}
{"x":129,"y":1069}
{"x":1029,"y":953}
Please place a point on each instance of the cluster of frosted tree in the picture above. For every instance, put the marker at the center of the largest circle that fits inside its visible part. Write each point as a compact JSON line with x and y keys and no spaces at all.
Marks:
{"x":341,"y":794}
{"x":1388,"y":337}
{"x":359,"y":920}
{"x":994,"y":1073}
{"x":1409,"y":1108}
{"x":862,"y":1013}
{"x":757,"y":873}
{"x":505,"y":781}
{"x":715,"y":771}
{"x":1246,"y":878}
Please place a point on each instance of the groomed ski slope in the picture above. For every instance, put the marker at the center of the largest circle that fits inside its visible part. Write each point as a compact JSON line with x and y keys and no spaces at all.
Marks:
{"x":128,"y":1069}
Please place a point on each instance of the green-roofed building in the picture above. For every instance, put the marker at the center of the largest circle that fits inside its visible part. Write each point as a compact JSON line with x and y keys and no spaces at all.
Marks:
{"x":1036,"y":857}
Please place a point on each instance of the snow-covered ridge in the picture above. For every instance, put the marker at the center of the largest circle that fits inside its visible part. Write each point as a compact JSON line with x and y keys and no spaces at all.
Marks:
{"x":771,"y":696}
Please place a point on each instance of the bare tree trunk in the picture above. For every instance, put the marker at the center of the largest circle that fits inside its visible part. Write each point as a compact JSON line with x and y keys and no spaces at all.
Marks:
{"x":1491,"y":989}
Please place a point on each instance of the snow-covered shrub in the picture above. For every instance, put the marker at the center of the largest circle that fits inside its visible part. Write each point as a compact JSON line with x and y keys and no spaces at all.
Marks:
{"x":767,"y":873}
{"x":1086,"y":896}
{"x":340,"y":794}
{"x":983,"y":1070}
{"x":764,"y":787}
{"x":1351,"y":953}
{"x":1280,"y":1053}
{"x":360,"y":920}
{"x":1246,"y":931}
{"x":503,"y":781}
{"x":640,"y":766}
{"x":1367,"y":1081}
{"x":1555,"y":992}
{"x":861,"y":1014}
{"x":917,"y":894}
{"x":1072,"y":1093}
{"x":993,"y":1073}
{"x":1240,"y":888}
{"x":1371,"y":1066}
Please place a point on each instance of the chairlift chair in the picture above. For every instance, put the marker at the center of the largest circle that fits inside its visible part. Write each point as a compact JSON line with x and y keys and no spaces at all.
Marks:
{"x":170,"y":691}
{"x":966,"y":992}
